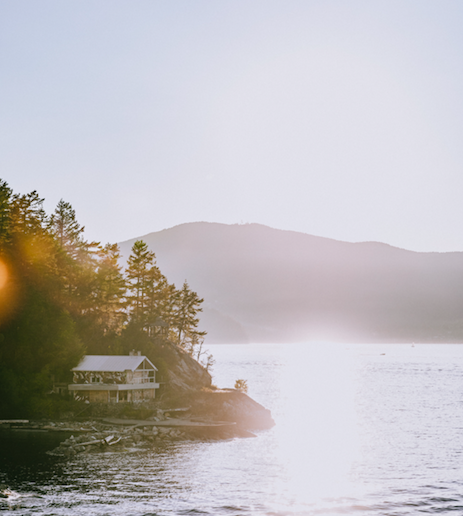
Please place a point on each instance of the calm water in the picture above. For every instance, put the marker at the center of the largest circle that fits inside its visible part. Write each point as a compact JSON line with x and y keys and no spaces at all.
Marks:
{"x":360,"y":429}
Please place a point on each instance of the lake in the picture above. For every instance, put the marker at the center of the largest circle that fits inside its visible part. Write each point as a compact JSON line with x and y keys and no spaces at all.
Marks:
{"x":360,"y":429}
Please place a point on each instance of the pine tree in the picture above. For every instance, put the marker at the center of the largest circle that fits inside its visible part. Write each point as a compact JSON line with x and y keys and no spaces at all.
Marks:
{"x":140,"y":282}
{"x":5,"y":211}
{"x":76,"y":259}
{"x":29,"y":242}
{"x":27,"y":216}
{"x":167,"y":304}
{"x":188,"y":304}
{"x":155,"y":297}
{"x":111,"y":288}
{"x":66,"y":230}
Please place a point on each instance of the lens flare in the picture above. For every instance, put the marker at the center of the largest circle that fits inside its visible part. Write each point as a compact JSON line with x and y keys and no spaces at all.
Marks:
{"x":3,"y":275}
{"x":8,"y":292}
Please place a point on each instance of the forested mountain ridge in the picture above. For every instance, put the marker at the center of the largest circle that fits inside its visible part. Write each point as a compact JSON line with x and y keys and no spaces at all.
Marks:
{"x":267,"y":285}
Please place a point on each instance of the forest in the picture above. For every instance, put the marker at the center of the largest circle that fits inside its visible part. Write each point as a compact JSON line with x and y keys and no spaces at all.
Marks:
{"x":62,"y":296}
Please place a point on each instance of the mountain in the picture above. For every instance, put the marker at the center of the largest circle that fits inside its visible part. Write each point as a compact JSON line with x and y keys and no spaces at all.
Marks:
{"x":268,"y":285}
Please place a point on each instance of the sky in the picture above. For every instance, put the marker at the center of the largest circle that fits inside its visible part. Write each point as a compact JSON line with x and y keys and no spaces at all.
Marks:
{"x":333,"y":118}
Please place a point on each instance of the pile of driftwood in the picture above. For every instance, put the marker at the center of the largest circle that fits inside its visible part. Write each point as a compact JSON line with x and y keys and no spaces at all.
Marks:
{"x":121,"y":438}
{"x":107,"y":441}
{"x":73,"y":446}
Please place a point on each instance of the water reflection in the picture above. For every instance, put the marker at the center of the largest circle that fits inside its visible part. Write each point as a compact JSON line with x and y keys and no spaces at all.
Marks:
{"x":315,"y":443}
{"x":317,"y":431}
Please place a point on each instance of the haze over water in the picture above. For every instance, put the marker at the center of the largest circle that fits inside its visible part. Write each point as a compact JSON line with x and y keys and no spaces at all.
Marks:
{"x":360,"y":429}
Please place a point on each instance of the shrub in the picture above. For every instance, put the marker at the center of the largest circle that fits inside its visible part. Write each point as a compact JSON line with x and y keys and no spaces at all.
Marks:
{"x":241,"y":385}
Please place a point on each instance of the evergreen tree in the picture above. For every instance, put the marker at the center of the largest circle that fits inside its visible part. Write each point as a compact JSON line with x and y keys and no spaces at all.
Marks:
{"x":165,"y":295}
{"x":67,"y":231}
{"x":188,"y":304}
{"x":5,"y":215}
{"x":29,"y":244}
{"x":110,"y":290}
{"x":76,"y":259}
{"x":158,"y":299}
{"x":27,"y":216}
{"x":140,"y":280}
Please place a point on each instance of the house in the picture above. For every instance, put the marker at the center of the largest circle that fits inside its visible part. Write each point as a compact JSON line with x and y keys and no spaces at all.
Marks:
{"x":114,"y":378}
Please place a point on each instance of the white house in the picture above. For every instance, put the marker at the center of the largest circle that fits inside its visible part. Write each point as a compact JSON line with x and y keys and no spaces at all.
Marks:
{"x":114,"y":378}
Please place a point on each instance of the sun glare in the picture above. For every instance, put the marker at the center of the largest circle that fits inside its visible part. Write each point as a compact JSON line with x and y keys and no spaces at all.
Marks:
{"x":3,"y":274}
{"x":8,"y":293}
{"x":317,"y":424}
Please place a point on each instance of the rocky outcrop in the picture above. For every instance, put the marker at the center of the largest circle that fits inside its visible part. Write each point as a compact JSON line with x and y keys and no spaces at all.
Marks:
{"x":232,"y":406}
{"x":186,"y":374}
{"x":178,"y":372}
{"x":188,"y":384}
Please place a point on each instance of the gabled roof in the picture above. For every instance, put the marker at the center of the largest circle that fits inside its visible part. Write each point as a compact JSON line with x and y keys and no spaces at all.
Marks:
{"x":111,"y":363}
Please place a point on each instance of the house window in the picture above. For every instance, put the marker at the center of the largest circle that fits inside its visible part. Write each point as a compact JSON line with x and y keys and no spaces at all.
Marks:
{"x":96,"y":379}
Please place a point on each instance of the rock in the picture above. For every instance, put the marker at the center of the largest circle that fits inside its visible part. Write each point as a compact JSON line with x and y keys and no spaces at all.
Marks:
{"x":233,"y":406}
{"x":184,"y":373}
{"x":4,"y":491}
{"x":70,"y":451}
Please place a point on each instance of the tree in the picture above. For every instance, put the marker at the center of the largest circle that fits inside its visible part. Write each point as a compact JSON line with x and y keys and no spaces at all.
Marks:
{"x":66,"y":230}
{"x":167,"y":302}
{"x":194,"y":345}
{"x":241,"y":385}
{"x":5,"y":211}
{"x":28,"y":242}
{"x":76,"y":259}
{"x":26,"y":214}
{"x":140,"y":281}
{"x":188,"y":304}
{"x":111,"y":288}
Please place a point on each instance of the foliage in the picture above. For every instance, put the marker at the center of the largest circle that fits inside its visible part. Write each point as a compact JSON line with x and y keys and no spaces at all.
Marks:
{"x":39,"y":338}
{"x":62,"y":296}
{"x":241,"y":385}
{"x":188,"y":304}
{"x":111,"y":287}
{"x":195,"y":348}
{"x":141,"y":276}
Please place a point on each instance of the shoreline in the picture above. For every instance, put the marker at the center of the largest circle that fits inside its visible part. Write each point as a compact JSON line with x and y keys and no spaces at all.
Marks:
{"x":210,"y":415}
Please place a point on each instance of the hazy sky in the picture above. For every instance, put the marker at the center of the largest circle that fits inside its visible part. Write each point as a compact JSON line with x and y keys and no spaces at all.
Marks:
{"x":341,"y":119}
